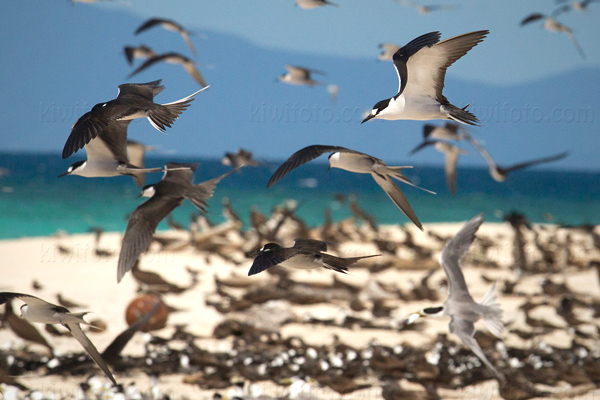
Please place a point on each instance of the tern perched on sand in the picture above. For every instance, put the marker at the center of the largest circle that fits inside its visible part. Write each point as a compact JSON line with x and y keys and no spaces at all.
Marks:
{"x":133,"y":101}
{"x":305,"y":254}
{"x":38,"y":310}
{"x":459,"y":305}
{"x":355,"y":161}
{"x":421,"y":67}
{"x":169,"y":25}
{"x":165,"y":196}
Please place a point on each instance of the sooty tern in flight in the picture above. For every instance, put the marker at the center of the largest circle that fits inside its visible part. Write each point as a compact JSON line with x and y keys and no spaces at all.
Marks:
{"x":136,"y":152}
{"x":552,"y":25}
{"x":141,"y":51}
{"x":38,"y":310}
{"x":499,"y":173}
{"x":299,"y":76}
{"x":448,"y":131}
{"x":421,"y":67}
{"x":305,"y":254}
{"x":459,"y":305}
{"x":308,"y":4}
{"x":239,"y":159}
{"x":107,"y":156}
{"x":173,"y":58}
{"x":579,"y":5}
{"x":166,"y":195}
{"x":169,"y":25}
{"x":355,"y":161}
{"x":423,"y":9}
{"x":133,"y":101}
{"x":451,"y":153}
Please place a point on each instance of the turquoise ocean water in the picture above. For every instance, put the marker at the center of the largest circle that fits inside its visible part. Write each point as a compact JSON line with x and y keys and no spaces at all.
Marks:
{"x":34,"y":202}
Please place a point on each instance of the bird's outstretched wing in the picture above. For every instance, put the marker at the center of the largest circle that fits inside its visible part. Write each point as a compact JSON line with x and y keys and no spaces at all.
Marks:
{"x":453,"y":253}
{"x":303,"y":156}
{"x":464,"y":330}
{"x":111,"y":353}
{"x":30,"y":300}
{"x":429,"y":60}
{"x":394,"y":193}
{"x":532,"y":17}
{"x":537,"y":161}
{"x":140,"y":229}
{"x":267,"y":259}
{"x":402,"y":56}
{"x":91,"y":350}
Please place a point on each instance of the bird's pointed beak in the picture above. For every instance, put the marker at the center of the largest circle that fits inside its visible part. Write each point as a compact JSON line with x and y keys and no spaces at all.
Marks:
{"x":368,"y":117}
{"x":63,"y":174}
{"x":414,"y":317}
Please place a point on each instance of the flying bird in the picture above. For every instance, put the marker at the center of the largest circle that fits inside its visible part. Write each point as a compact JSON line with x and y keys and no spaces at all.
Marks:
{"x":107,"y":156}
{"x":38,"y":310}
{"x":387,"y":51}
{"x":451,"y":154}
{"x":423,"y":9}
{"x":173,"y":58}
{"x":239,"y":159}
{"x":579,"y":5}
{"x":299,"y":76}
{"x":355,"y":161}
{"x":448,"y":131}
{"x":166,"y":195}
{"x":308,"y":4}
{"x":552,"y":25}
{"x":305,"y":254}
{"x":499,"y":173}
{"x":136,"y":152}
{"x":141,"y":51}
{"x":133,"y":101}
{"x":421,"y":67}
{"x":168,"y":25}
{"x":459,"y":305}
{"x":23,"y":328}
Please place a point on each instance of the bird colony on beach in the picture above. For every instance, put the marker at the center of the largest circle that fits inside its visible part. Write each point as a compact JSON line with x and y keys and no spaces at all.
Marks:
{"x":421,"y":65}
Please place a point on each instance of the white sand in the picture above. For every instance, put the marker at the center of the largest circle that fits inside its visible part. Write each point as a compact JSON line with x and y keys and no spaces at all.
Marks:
{"x":90,"y":280}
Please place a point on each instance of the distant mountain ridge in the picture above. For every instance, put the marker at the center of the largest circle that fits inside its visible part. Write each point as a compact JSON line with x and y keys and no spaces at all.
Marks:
{"x":44,"y":92}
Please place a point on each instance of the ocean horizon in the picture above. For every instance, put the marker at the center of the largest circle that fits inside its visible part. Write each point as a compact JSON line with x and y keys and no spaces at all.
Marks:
{"x":35,"y":202}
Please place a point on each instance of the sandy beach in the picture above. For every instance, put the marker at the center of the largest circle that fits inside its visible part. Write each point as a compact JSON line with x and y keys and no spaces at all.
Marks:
{"x":78,"y":273}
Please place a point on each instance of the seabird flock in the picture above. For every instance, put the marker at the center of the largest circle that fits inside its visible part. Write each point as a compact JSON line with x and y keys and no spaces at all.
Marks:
{"x":421,"y":66}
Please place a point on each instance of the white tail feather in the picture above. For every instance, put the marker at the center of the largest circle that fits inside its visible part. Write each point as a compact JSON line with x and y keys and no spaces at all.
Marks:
{"x":492,"y":318}
{"x":186,"y":98}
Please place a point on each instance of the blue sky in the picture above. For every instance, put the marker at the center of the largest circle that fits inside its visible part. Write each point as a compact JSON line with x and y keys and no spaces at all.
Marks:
{"x":512,"y":54}
{"x":55,"y":69}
